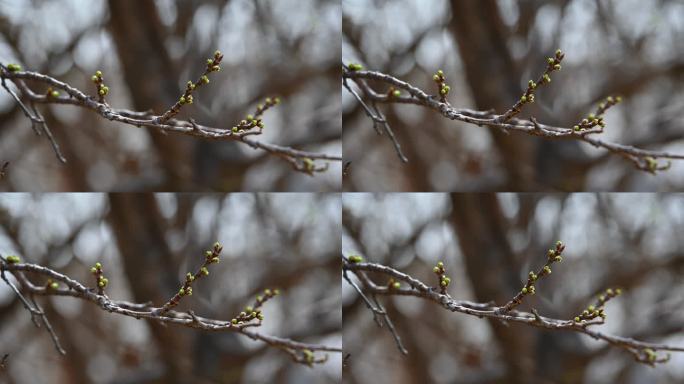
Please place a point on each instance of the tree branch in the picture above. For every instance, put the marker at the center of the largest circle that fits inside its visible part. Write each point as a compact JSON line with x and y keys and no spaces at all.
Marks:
{"x":643,"y":352}
{"x":302,"y":161}
{"x":645,"y":160}
{"x":300,"y":352}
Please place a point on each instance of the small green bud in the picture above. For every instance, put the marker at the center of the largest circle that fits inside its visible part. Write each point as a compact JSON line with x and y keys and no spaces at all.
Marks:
{"x":217,"y":53}
{"x":276,"y":100}
{"x":532,"y":276}
{"x":181,"y":292}
{"x":547,"y":269}
{"x":355,"y":67}
{"x":558,"y":259}
{"x":234,"y":321}
{"x":54,"y":285}
{"x":609,"y":291}
{"x":102,"y":92}
{"x":532,"y":84}
{"x":558,"y":52}
{"x":204,"y":79}
{"x":532,"y":290}
{"x":551,"y":253}
{"x":523,"y":99}
{"x":602,"y":298}
{"x":618,"y":99}
{"x":557,"y":67}
{"x":610,"y":99}
{"x":94,"y":79}
{"x":435,"y":269}
{"x":396,"y":285}
{"x":189,"y":277}
{"x":551,"y":60}
{"x":276,"y":292}
{"x":188,"y":291}
{"x":618,"y":291}
{"x":260,"y":316}
{"x":204,"y":271}
{"x":210,"y":62}
{"x":54,"y":94}
{"x":577,"y":319}
{"x":591,"y":308}
{"x":576,"y":128}
{"x":250,"y":117}
{"x":249,"y":309}
{"x":182,"y":100}
{"x":260,"y":124}
{"x":98,"y":265}
{"x":268,"y":292}
{"x":208,"y":254}
{"x":216,"y":260}
{"x":591,"y":116}
{"x":524,"y":291}
{"x":234,"y":129}
{"x":436,"y":78}
{"x":259,"y":298}
{"x":440,"y":72}
{"x":446,"y":280}
{"x":216,"y":68}
{"x":93,"y":270}
{"x":98,"y":73}
{"x":396,"y":93}
{"x":547,"y":78}
{"x":14,"y":67}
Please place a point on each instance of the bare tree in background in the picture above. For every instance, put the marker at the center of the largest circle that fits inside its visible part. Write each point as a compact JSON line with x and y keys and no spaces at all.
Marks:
{"x":147,"y":51}
{"x":145,"y":244}
{"x":489,"y":51}
{"x":488,"y":244}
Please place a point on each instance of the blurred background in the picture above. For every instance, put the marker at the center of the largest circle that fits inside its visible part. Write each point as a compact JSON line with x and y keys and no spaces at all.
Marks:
{"x":488,"y":244}
{"x":146,"y":244}
{"x":489,"y":49}
{"x":148,"y":50}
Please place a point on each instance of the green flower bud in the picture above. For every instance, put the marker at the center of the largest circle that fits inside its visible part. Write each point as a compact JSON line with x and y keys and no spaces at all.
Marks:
{"x":396,"y":93}
{"x":547,"y":78}
{"x":98,"y":73}
{"x":204,"y":79}
{"x":551,"y":253}
{"x":217,"y":53}
{"x":436,"y":78}
{"x":216,"y":260}
{"x":440,"y":72}
{"x":524,"y":291}
{"x":557,"y":67}
{"x":618,"y":99}
{"x":547,"y":269}
{"x":204,"y":271}
{"x":355,"y":259}
{"x":234,"y":321}
{"x":610,"y":99}
{"x":276,"y":292}
{"x":591,"y":308}
{"x":435,"y":269}
{"x":260,"y":316}
{"x":188,"y":291}
{"x":276,"y":100}
{"x":523,"y":99}
{"x":355,"y":67}
{"x":558,"y":52}
{"x":94,"y":79}
{"x":208,"y":254}
{"x":249,"y":308}
{"x":54,"y":94}
{"x":14,"y":67}
{"x":618,"y":291}
{"x":260,"y":298}
{"x":210,"y":62}
{"x":189,"y":277}
{"x":93,"y":270}
{"x":234,"y":129}
{"x":577,"y":319}
{"x":396,"y":285}
{"x":609,"y":292}
{"x":98,"y":265}
{"x":267,"y":292}
{"x":532,"y":84}
{"x":182,"y":100}
{"x":576,"y":128}
{"x":181,"y":292}
{"x":54,"y":285}
{"x":551,"y":60}
{"x":558,"y":259}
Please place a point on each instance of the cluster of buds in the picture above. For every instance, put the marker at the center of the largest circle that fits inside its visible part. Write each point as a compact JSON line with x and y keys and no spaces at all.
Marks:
{"x":596,"y":118}
{"x":252,"y":312}
{"x":553,"y":64}
{"x":444,"y":89}
{"x":51,"y":284}
{"x":597,"y":309}
{"x":308,"y":356}
{"x":393,"y":92}
{"x":309,"y":165}
{"x":254,"y":120}
{"x":553,"y":256}
{"x":210,"y":257}
{"x":11,"y":259}
{"x":100,"y":280}
{"x":355,"y":67}
{"x":355,"y":259}
{"x":444,"y":280}
{"x":190,"y":87}
{"x":51,"y":92}
{"x":393,"y":284}
{"x":13,"y":67}
{"x":102,"y":89}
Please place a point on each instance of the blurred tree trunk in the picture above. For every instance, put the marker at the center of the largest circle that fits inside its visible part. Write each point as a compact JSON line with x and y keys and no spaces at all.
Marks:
{"x":136,"y":223}
{"x":494,"y":273}
{"x":152,"y":79}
